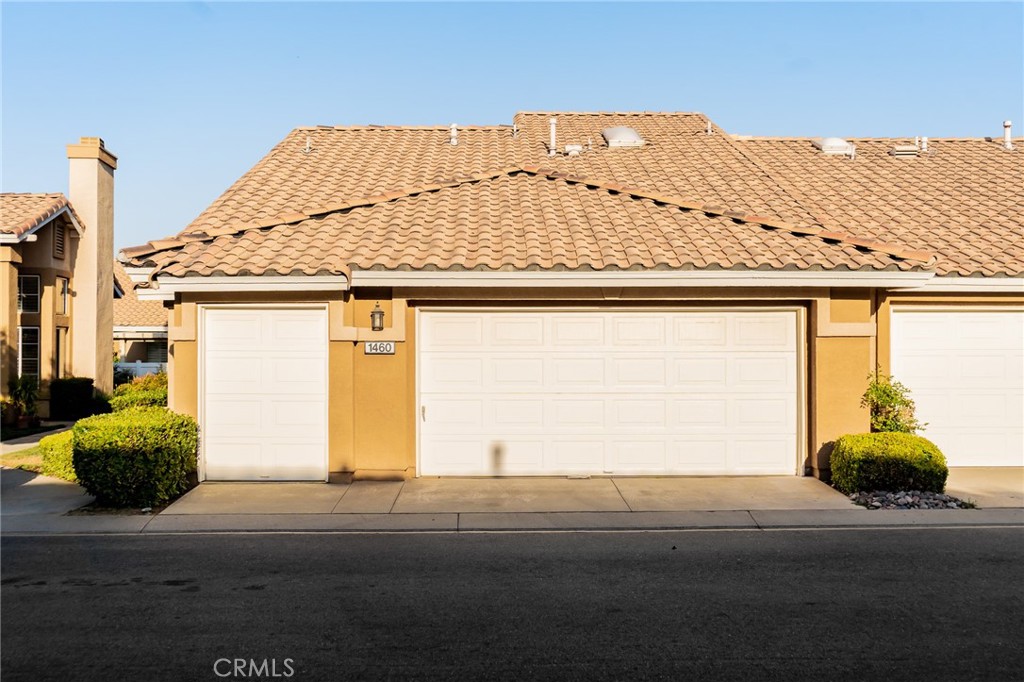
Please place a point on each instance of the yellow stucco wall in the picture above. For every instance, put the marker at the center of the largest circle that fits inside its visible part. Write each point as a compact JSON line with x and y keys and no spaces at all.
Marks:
{"x":372,"y":418}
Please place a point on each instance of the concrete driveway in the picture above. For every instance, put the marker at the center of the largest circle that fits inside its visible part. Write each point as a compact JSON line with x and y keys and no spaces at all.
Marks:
{"x":988,"y":487}
{"x":511,"y":495}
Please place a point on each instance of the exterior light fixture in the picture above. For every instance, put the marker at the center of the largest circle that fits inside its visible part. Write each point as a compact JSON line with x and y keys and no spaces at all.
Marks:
{"x":377,"y":318}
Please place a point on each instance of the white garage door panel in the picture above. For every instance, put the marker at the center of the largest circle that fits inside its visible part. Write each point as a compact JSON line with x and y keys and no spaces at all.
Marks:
{"x":264,"y":414}
{"x":546,"y":393}
{"x":965,"y":371}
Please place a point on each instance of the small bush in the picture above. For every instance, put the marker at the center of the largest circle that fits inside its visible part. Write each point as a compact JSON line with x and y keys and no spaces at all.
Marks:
{"x":137,"y":457}
{"x":129,"y":399}
{"x":887,"y":461}
{"x":57,"y":456}
{"x":145,"y":391}
{"x":71,"y":398}
{"x":892,"y":410}
{"x":149,"y":382}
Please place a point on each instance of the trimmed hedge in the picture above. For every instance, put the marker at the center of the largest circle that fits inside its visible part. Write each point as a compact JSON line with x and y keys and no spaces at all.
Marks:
{"x":137,"y":457}
{"x":154,"y":398}
{"x":887,"y":461}
{"x":145,"y":391}
{"x":71,"y":398}
{"x":57,"y":455}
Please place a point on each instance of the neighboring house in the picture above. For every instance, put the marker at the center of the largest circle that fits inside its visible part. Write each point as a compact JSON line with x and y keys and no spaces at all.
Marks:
{"x":55,"y":256}
{"x":140,"y":329}
{"x":597,"y":294}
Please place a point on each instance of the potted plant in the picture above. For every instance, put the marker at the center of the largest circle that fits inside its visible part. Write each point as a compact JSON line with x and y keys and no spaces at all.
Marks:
{"x":24,"y":391}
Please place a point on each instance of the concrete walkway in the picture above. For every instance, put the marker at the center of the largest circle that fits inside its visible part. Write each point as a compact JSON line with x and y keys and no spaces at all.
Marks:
{"x":25,"y":442}
{"x":453,"y":505}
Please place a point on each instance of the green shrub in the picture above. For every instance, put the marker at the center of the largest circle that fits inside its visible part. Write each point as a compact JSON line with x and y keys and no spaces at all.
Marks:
{"x":71,"y":398}
{"x":149,"y":382}
{"x":892,"y":410}
{"x":57,"y":455}
{"x":145,"y":391}
{"x":137,"y":398}
{"x":137,"y":457}
{"x":887,"y":461}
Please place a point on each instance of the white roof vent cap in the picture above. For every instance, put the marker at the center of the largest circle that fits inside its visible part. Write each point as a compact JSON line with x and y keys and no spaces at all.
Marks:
{"x":835,"y":146}
{"x":622,"y":136}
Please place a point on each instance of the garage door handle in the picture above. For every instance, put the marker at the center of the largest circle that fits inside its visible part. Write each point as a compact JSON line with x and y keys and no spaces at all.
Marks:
{"x":423,"y":412}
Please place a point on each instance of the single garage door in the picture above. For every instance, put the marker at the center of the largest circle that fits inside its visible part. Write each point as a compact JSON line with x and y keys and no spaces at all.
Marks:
{"x":549,"y":392}
{"x":264,"y":394}
{"x":965,"y":371}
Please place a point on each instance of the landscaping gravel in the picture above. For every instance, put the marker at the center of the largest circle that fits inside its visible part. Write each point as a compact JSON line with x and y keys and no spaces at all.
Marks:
{"x":908,"y":499}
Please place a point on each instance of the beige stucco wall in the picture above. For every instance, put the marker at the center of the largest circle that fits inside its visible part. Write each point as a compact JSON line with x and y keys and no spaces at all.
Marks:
{"x":36,"y":258}
{"x":372,"y":399}
{"x":91,"y":192}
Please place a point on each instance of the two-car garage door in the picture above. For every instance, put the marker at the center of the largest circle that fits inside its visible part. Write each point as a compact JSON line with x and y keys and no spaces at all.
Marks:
{"x":546,"y":392}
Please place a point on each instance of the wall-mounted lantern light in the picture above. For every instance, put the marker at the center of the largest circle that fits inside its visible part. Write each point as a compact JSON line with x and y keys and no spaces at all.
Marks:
{"x":377,"y":318}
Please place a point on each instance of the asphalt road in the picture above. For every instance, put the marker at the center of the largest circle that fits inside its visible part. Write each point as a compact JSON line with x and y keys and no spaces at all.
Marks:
{"x":929,"y":604}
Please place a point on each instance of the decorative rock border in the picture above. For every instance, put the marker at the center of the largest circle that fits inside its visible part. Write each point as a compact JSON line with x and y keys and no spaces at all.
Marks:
{"x":908,"y":499}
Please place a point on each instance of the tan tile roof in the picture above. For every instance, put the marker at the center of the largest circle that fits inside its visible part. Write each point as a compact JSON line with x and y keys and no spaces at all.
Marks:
{"x":129,"y":311}
{"x":962,"y":199}
{"x":519,"y":219}
{"x":321,"y":170}
{"x":21,"y":213}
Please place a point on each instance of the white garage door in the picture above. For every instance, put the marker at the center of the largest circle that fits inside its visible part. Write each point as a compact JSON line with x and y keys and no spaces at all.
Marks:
{"x":965,"y":371}
{"x":264,"y":394}
{"x":550,"y":393}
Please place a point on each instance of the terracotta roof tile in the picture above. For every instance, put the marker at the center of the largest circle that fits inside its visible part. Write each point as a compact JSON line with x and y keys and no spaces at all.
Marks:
{"x":21,"y":213}
{"x":962,"y":199}
{"x":129,"y":311}
{"x":963,"y":202}
{"x":519,"y":219}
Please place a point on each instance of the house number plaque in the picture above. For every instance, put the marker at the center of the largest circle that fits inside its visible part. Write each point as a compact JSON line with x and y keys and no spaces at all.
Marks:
{"x":379,"y":347}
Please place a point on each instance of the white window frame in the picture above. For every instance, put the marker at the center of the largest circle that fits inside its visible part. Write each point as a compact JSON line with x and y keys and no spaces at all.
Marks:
{"x":22,"y":296}
{"x":21,"y":351}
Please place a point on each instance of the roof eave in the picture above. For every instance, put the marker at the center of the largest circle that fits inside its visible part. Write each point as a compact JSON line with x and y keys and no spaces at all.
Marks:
{"x":687,"y":278}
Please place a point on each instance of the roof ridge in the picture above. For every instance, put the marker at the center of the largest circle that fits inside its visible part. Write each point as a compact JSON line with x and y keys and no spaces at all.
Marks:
{"x":439,"y":127}
{"x":891,"y":249}
{"x":289,"y":218}
{"x":609,"y":113}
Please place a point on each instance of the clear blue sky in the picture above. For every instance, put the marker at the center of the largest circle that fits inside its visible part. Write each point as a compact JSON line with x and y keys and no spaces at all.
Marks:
{"x":189,"y":96}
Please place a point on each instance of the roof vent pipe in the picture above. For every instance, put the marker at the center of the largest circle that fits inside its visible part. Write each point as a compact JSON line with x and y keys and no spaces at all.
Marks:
{"x":1007,"y":141}
{"x":455,"y":135}
{"x":924,"y":144}
{"x":554,"y":141}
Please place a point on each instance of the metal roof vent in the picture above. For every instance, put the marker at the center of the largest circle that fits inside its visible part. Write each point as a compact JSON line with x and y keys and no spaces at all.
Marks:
{"x":835,"y":146}
{"x":905,"y":150}
{"x":622,"y":136}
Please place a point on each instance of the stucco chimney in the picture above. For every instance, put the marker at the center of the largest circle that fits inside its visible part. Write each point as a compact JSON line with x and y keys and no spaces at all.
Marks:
{"x":91,"y":192}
